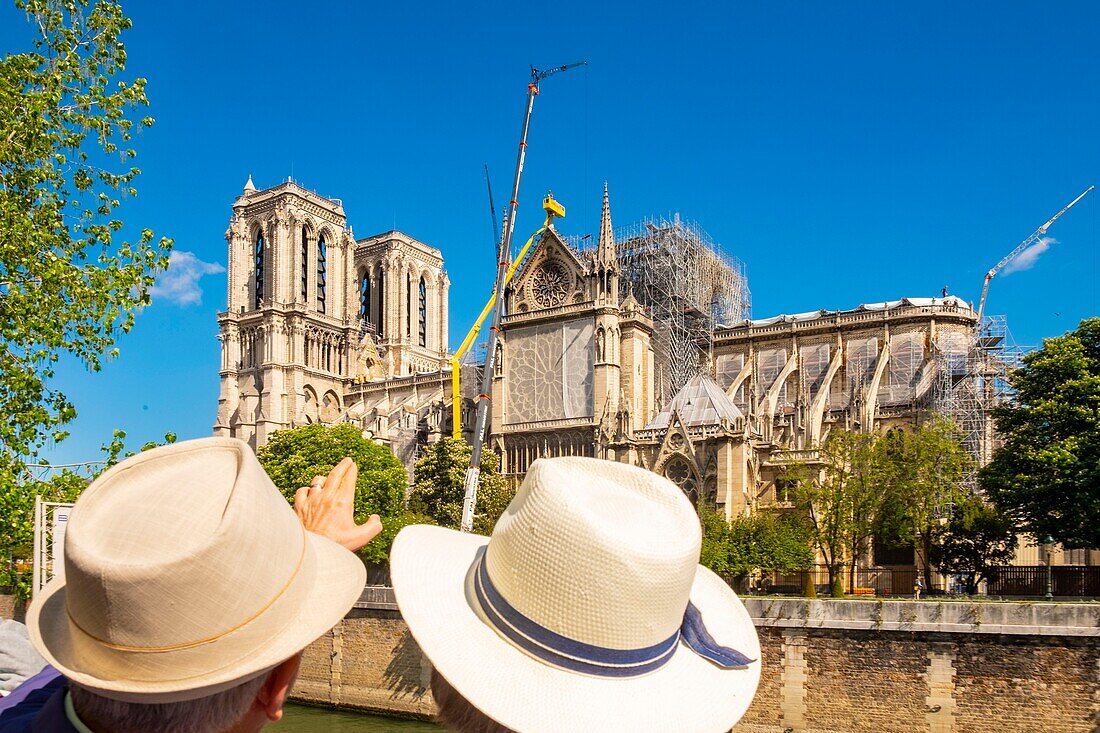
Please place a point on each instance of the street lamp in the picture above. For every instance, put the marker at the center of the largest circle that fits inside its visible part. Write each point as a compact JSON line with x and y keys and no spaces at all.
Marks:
{"x":1047,"y":542}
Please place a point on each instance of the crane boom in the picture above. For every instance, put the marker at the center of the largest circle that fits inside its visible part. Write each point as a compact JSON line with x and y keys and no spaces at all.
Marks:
{"x":1020,"y":248}
{"x":504,"y":256}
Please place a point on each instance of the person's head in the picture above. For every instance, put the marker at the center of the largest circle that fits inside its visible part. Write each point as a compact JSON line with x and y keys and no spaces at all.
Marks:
{"x":242,"y":709}
{"x":190,"y":588}
{"x":586,"y":610}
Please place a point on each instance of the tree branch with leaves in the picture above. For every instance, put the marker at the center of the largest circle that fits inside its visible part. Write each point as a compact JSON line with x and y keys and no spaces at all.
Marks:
{"x":69,"y":284}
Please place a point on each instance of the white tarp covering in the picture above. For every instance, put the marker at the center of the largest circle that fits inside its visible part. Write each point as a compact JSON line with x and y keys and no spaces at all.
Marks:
{"x":815,"y":365}
{"x":862,"y":359}
{"x":955,"y":347}
{"x":726,"y":369}
{"x":904,"y":370}
{"x":549,"y":372}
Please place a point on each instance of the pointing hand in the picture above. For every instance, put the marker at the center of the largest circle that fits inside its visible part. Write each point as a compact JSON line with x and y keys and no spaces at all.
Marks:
{"x":327,"y":507}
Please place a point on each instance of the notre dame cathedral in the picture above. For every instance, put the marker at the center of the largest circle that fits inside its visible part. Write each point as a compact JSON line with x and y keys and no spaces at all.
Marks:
{"x":636,"y":348}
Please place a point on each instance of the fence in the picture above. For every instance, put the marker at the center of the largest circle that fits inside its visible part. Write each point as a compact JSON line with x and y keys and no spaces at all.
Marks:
{"x":867,"y":581}
{"x":1067,"y":581}
{"x":1031,"y":580}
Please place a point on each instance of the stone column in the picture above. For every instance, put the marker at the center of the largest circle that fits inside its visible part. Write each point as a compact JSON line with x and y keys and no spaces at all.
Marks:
{"x":941,"y":688}
{"x":442,"y":313}
{"x":792,"y":705}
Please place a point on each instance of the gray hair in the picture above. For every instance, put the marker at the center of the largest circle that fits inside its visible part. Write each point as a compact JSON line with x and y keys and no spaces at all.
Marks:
{"x":457,"y":714}
{"x":211,"y":714}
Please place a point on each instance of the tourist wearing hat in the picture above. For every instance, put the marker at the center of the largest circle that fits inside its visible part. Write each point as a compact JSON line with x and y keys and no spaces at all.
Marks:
{"x":190,"y":590}
{"x":586,"y":610}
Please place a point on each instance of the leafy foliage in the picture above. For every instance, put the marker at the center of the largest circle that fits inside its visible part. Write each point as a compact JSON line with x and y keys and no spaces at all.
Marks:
{"x":438,"y":490}
{"x":840,"y":498}
{"x":293,"y":457}
{"x":66,"y":160}
{"x":17,"y":506}
{"x":976,"y":539}
{"x":922,"y":470}
{"x":1046,"y":475}
{"x":762,"y":542}
{"x":892,"y":487}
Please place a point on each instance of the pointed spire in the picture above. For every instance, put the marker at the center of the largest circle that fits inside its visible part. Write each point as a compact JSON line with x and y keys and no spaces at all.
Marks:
{"x":605,"y":252}
{"x":249,"y":186}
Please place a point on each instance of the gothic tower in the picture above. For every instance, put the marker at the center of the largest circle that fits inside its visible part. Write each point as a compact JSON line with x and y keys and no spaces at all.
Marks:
{"x":306,"y":301}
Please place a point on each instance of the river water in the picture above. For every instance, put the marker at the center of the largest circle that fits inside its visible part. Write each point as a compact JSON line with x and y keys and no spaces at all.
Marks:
{"x":305,"y":719}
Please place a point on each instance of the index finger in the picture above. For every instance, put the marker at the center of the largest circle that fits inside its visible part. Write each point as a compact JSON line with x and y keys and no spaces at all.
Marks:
{"x":335,"y":477}
{"x":350,"y":477}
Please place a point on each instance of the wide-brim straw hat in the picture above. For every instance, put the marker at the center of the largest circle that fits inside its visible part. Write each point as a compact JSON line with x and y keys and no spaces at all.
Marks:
{"x":586,"y":610}
{"x":186,"y":572}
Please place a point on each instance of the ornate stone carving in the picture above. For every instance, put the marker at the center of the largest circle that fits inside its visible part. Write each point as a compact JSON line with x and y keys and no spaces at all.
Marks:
{"x":550,"y":284}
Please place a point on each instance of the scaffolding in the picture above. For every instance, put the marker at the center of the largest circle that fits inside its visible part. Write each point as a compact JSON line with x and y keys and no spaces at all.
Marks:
{"x":971,"y":380}
{"x":688,"y":286}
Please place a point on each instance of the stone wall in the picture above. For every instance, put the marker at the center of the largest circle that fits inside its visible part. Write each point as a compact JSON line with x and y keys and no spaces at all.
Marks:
{"x":12,"y":607}
{"x":829,"y":666}
{"x":369,"y":661}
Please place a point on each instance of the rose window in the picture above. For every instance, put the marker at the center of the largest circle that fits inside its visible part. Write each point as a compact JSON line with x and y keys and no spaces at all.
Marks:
{"x":550,"y":284}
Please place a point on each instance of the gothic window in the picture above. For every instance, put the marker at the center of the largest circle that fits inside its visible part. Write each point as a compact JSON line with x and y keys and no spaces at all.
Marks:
{"x":381,"y":302}
{"x":364,"y":297}
{"x":680,"y":473}
{"x":322,"y":267}
{"x":305,"y":268}
{"x":408,"y":308}
{"x":550,"y":284}
{"x":423,"y":311}
{"x":259,"y":268}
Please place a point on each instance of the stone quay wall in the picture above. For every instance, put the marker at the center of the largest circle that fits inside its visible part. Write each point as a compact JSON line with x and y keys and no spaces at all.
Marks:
{"x":828,"y":666}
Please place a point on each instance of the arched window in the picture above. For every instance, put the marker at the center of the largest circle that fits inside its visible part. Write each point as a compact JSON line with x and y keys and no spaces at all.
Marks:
{"x":322,"y":266}
{"x":408,"y":308}
{"x":364,"y":297}
{"x":305,"y":267}
{"x":423,"y":310}
{"x":259,"y":267}
{"x":680,"y":473}
{"x":381,"y":314}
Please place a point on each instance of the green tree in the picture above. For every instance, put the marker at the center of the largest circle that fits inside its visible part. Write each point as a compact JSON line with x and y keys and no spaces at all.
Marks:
{"x":1046,"y":475}
{"x":921,"y":471}
{"x":17,"y":501}
{"x":438,"y":489}
{"x":762,"y":542}
{"x":973,"y":542}
{"x":293,"y":457}
{"x":840,"y":495}
{"x":67,"y":285}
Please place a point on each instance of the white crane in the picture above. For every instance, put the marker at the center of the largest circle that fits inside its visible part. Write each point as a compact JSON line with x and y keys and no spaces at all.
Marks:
{"x":1034,"y":238}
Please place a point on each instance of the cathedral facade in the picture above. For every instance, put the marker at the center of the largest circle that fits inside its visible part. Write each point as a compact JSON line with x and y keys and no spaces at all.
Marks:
{"x":324,"y":327}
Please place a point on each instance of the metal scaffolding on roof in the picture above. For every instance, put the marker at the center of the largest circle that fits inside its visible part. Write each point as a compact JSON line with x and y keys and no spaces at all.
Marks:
{"x":971,"y":379}
{"x":688,"y":286}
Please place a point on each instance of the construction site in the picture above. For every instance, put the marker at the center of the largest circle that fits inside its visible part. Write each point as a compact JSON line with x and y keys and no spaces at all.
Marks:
{"x":637,"y":346}
{"x":688,"y":286}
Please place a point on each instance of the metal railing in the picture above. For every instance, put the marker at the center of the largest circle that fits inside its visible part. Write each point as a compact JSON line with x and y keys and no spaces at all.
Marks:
{"x":1066,"y":581}
{"x":867,"y":581}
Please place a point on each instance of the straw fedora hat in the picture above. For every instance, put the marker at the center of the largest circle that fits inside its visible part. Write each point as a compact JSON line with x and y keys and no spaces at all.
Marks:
{"x":586,"y":610}
{"x":187,"y":572}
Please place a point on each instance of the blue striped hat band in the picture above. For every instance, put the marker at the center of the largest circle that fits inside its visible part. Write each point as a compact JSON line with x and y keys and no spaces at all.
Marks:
{"x":577,"y":656}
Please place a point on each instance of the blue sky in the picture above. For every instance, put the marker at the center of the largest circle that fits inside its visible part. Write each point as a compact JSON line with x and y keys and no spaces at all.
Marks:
{"x":846,"y":152}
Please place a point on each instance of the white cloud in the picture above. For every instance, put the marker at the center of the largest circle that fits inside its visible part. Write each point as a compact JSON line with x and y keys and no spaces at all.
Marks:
{"x":179,"y":284}
{"x":1026,"y":259}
